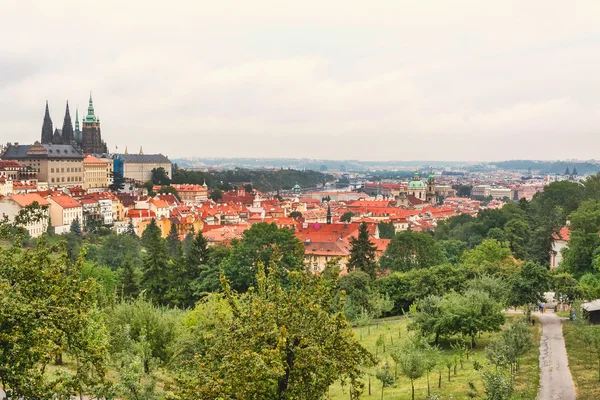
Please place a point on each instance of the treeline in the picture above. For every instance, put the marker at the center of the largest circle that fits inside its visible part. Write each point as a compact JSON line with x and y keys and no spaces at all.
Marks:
{"x":260,"y":179}
{"x":550,"y":167}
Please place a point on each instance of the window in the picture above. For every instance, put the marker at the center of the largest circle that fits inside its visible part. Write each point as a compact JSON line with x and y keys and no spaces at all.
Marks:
{"x":62,"y":170}
{"x":51,"y":169}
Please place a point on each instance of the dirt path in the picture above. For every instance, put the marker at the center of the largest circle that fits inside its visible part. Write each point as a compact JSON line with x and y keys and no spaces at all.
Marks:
{"x":555,"y":377}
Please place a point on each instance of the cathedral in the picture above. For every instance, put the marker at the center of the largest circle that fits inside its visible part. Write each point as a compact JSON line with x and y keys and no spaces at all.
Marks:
{"x":89,"y":139}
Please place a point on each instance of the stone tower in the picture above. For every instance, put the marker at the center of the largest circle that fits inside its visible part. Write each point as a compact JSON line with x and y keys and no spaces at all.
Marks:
{"x":77,"y":130}
{"x":430,"y":194}
{"x":91,"y":137}
{"x":47,"y":130}
{"x":67,"y":131}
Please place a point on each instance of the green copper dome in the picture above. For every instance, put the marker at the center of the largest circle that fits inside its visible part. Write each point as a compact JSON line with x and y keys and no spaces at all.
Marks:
{"x":90,"y":117}
{"x":431,"y":177}
{"x":416,"y":184}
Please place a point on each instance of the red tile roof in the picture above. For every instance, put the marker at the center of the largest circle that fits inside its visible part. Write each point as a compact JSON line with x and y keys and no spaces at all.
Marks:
{"x":26,"y":199}
{"x":66,"y":201}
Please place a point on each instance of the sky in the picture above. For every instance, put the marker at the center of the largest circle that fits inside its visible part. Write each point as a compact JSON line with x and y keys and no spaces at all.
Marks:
{"x":333,"y":79}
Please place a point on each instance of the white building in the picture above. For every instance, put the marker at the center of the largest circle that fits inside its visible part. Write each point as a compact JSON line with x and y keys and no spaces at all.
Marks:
{"x":11,"y":206}
{"x":63,"y":211}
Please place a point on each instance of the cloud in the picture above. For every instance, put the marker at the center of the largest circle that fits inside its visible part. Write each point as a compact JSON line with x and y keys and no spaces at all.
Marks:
{"x":404,"y":80}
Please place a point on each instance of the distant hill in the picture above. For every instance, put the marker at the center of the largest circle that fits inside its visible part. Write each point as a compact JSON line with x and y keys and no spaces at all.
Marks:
{"x":265,"y":180}
{"x":549,"y":167}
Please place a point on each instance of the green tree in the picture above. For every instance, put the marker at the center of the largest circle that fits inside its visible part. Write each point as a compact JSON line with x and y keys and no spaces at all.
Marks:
{"x":517,"y":232}
{"x":156,"y":273}
{"x":412,"y":363}
{"x":76,"y":227}
{"x":295,"y":214}
{"x":362,"y":253}
{"x":115,"y":249}
{"x":585,"y":224}
{"x":216,"y":195}
{"x":159,"y":177}
{"x":266,"y":349}
{"x":387,"y":230}
{"x":528,"y":284}
{"x":46,"y":310}
{"x":408,"y":250}
{"x":173,"y":243}
{"x":566,"y":288}
{"x":258,"y":245}
{"x":452,"y":249}
{"x":385,"y":375}
{"x":347,"y":216}
{"x":490,"y":257}
{"x":129,"y":281}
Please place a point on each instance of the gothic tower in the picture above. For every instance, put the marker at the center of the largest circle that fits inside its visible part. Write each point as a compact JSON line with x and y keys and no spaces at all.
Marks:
{"x":77,"y":131}
{"x":328,"y":214}
{"x":67,"y":131}
{"x":91,"y":137}
{"x":47,"y":130}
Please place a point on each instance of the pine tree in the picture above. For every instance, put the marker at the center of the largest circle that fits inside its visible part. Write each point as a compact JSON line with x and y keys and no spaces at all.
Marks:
{"x":130,"y":229}
{"x":192,"y":269}
{"x":173,"y":242}
{"x":362,"y":253}
{"x":129,"y":281}
{"x":76,"y":227}
{"x":155,"y":278}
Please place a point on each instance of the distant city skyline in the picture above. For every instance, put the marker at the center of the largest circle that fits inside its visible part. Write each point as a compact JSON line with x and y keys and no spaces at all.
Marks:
{"x":390,"y":80}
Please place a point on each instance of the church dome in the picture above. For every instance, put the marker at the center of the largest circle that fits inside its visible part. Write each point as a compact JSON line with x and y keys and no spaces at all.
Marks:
{"x":416,"y":185}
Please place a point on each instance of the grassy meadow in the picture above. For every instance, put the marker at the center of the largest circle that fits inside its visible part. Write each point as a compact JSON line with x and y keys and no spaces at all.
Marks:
{"x":583,"y":362}
{"x":458,"y":387}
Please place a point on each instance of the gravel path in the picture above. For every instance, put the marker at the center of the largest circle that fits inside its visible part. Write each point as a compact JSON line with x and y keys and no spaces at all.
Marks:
{"x":556,"y":382}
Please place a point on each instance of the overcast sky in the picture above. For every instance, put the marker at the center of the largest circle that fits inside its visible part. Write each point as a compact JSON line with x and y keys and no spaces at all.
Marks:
{"x":374,"y":80}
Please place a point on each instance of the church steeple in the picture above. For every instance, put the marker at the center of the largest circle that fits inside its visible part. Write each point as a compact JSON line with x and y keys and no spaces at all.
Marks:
{"x":90,"y":117}
{"x":67,"y":131}
{"x":77,"y":131}
{"x":328,"y":214}
{"x":567,"y":172}
{"x":47,"y":129}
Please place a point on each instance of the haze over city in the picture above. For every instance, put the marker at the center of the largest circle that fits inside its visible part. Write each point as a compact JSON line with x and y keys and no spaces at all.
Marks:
{"x":463,"y":80}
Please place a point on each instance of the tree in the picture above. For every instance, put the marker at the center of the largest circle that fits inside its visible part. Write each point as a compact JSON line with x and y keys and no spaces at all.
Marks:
{"x":517,"y":232}
{"x":76,"y":227}
{"x":295,"y":214}
{"x":490,"y":257}
{"x":412,"y":363}
{"x":159,"y":177}
{"x":129,"y":279}
{"x":115,"y":249}
{"x":528,"y":284}
{"x":497,"y":386}
{"x":156,"y":274}
{"x":408,"y":250}
{"x":131,"y":229}
{"x":362,"y":253}
{"x":387,"y":230}
{"x":216,"y":195}
{"x":347,"y":216}
{"x":258,"y":245}
{"x":248,"y":188}
{"x":452,"y":249}
{"x":173,"y":242}
{"x":46,"y":309}
{"x":385,"y":376}
{"x":266,"y":349}
{"x":566,"y":288}
{"x":584,"y":242}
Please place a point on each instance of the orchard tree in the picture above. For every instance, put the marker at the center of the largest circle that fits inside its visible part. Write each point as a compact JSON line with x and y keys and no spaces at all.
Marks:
{"x":173,"y":242}
{"x":267,"y":349}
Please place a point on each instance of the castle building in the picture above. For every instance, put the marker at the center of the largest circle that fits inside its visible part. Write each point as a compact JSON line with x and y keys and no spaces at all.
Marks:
{"x":138,"y":167}
{"x":89,"y":139}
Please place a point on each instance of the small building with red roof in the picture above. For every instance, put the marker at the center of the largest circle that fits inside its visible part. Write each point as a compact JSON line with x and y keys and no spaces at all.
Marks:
{"x":63,"y":211}
{"x":11,"y":206}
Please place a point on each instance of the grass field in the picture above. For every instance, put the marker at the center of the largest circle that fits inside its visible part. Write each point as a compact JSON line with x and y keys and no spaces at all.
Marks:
{"x":582,"y":362}
{"x":395,"y":333}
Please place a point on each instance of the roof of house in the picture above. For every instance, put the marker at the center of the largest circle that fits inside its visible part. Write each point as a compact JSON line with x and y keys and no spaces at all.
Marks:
{"x":143,"y":158}
{"x":66,"y":201}
{"x":27,"y":199}
{"x":91,"y":160}
{"x":563,"y":234}
{"x":37,"y":150}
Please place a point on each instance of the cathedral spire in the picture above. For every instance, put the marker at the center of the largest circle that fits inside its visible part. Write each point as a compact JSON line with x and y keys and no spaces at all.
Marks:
{"x":328,"y":214}
{"x":67,"y":130}
{"x":90,"y":117}
{"x":47,"y":130}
